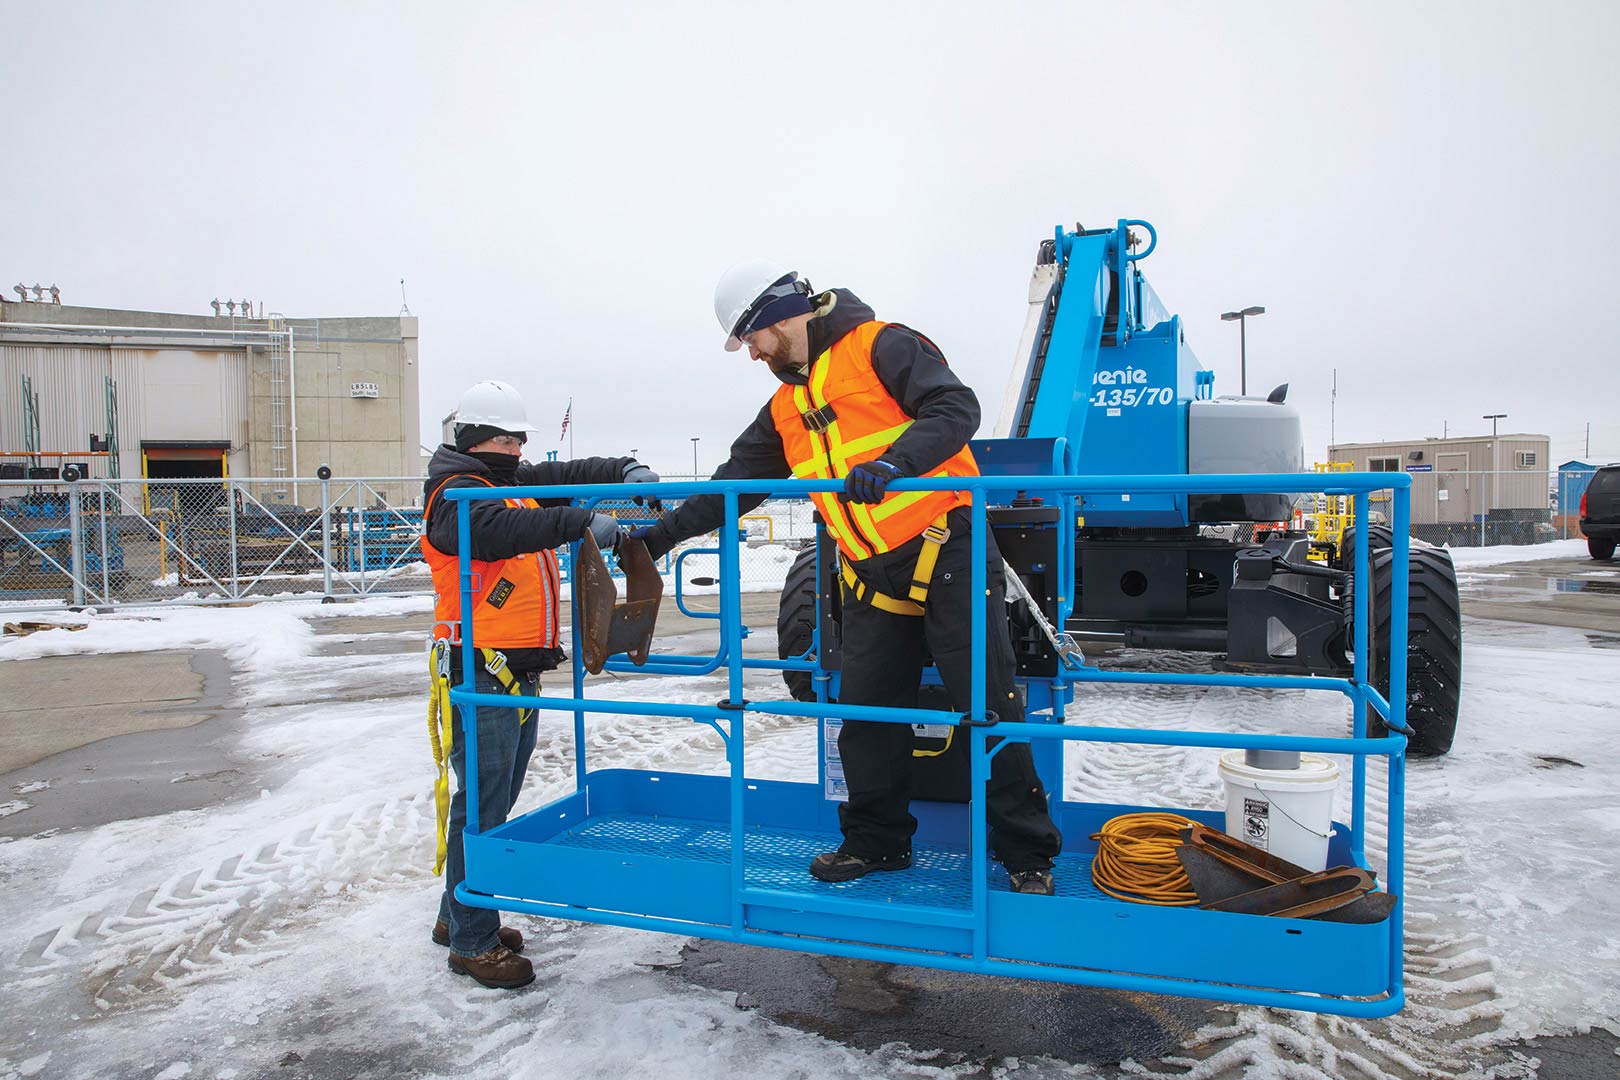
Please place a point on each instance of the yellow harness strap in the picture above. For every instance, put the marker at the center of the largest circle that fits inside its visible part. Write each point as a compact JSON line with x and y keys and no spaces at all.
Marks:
{"x":922,"y":574}
{"x":442,"y":732}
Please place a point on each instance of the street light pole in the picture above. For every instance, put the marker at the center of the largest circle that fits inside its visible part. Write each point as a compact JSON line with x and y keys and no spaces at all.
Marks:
{"x":695,"y":475}
{"x":1485,"y":511}
{"x":1242,"y":318}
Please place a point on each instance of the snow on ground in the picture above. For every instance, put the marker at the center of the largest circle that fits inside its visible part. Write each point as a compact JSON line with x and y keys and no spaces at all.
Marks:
{"x":1471,"y":558}
{"x":216,"y":942}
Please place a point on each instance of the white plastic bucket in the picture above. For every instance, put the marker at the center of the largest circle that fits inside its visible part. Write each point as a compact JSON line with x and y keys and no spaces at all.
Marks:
{"x":1288,"y":812}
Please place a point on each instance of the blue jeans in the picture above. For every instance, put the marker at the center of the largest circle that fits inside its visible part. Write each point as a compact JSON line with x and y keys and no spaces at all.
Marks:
{"x":504,"y":748}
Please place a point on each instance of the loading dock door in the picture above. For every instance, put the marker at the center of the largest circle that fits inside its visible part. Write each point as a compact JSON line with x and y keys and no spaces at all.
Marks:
{"x":184,"y":461}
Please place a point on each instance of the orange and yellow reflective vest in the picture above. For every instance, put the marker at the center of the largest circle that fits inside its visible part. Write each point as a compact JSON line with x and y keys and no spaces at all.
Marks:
{"x":845,"y":416}
{"x":515,"y":601}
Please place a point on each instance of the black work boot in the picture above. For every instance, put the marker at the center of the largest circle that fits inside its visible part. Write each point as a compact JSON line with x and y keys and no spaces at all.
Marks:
{"x":506,"y":935}
{"x":500,"y":968}
{"x":843,"y":866}
{"x":1032,"y":882}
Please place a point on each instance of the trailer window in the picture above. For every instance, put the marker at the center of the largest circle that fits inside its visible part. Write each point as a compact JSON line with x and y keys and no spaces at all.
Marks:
{"x":1383,"y":464}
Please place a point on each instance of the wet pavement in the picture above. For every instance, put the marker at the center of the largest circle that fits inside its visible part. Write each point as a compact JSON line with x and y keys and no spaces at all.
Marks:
{"x":1577,"y":592}
{"x":967,"y":1017}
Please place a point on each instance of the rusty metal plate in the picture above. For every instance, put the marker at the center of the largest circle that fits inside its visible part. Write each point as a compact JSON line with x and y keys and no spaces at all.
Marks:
{"x":634,"y":619}
{"x":1302,"y":898}
{"x":611,"y":626}
{"x":596,"y":596}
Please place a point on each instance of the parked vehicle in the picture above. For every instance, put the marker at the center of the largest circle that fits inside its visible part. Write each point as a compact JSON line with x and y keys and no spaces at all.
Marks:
{"x":1600,"y":512}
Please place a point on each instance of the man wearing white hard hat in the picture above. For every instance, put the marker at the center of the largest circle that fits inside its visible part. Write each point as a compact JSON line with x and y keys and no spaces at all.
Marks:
{"x":867,"y":402}
{"x":517,"y":626}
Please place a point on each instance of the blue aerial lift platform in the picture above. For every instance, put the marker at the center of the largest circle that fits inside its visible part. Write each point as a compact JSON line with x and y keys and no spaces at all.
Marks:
{"x":725,"y":857}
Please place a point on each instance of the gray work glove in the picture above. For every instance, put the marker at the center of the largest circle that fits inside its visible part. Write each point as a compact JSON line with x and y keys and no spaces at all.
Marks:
{"x":637,"y":473}
{"x":604,"y":529}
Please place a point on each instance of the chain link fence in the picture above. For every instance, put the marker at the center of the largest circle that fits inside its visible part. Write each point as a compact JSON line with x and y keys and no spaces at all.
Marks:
{"x":111,"y":542}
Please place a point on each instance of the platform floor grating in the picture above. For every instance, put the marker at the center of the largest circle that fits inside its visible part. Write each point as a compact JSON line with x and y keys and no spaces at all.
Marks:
{"x":780,"y":858}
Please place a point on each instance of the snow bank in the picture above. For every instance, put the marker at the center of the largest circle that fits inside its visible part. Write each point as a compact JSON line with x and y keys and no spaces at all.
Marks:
{"x":1472,"y":557}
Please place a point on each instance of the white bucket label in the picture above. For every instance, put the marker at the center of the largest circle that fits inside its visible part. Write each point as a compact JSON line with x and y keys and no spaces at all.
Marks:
{"x":1256,"y":821}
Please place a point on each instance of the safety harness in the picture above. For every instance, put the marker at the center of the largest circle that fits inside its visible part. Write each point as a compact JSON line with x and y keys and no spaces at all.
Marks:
{"x":441,"y":728}
{"x":922,"y":575}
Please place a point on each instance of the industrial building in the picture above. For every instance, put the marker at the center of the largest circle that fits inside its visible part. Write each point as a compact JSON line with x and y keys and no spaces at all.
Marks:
{"x":1466,"y":479}
{"x":162,"y":395}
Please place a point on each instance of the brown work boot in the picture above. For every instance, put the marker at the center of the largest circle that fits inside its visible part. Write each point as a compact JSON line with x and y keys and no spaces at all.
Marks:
{"x":507,"y":936}
{"x":843,"y":866}
{"x":500,"y":968}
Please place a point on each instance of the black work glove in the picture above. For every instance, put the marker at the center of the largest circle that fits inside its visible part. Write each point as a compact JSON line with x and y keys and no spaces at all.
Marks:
{"x":866,"y":481}
{"x":637,"y":473}
{"x":657,"y":538}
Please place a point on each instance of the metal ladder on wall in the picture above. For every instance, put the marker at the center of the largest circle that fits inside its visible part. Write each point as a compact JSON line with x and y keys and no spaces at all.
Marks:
{"x":276,"y":351}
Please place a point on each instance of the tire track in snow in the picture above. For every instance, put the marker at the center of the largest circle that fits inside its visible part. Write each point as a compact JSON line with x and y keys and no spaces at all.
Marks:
{"x":193,"y":925}
{"x":1451,"y":1026}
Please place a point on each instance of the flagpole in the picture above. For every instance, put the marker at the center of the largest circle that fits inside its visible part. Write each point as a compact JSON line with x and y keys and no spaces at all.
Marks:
{"x":570,"y":429}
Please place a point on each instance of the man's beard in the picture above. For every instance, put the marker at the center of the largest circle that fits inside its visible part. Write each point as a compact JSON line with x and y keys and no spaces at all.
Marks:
{"x":778,"y":357}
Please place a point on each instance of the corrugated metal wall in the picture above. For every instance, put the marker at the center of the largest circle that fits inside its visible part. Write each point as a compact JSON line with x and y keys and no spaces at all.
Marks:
{"x":163,"y":394}
{"x":69,"y":382}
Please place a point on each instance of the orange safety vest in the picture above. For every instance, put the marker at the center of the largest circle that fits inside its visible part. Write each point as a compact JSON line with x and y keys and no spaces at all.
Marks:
{"x":514,"y":600}
{"x":845,"y":416}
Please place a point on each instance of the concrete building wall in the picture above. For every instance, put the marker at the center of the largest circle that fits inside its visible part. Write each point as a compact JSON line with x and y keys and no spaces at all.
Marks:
{"x":190,"y":377}
{"x":1457,"y":480}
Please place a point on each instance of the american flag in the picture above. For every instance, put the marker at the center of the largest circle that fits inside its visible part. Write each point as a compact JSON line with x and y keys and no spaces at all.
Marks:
{"x":567,"y":414}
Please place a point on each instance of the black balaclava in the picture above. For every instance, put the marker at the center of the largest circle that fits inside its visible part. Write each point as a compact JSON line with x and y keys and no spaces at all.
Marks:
{"x":502,"y":467}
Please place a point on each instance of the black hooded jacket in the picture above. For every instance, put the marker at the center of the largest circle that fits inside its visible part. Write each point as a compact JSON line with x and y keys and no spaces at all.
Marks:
{"x":500,"y":531}
{"x":911,"y":368}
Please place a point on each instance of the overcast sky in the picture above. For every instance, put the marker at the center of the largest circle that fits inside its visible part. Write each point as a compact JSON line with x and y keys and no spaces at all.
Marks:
{"x":1422,"y":196}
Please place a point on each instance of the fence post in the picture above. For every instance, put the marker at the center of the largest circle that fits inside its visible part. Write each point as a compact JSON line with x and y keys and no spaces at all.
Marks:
{"x":358,"y":531}
{"x":230,"y":508}
{"x":101,"y":518}
{"x":326,"y":533}
{"x":75,"y":545}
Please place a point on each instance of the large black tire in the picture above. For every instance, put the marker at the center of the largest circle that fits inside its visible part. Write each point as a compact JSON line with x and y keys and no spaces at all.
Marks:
{"x":1600,"y":549}
{"x":796,"y":621}
{"x":1433,"y":648}
{"x":1379,"y":538}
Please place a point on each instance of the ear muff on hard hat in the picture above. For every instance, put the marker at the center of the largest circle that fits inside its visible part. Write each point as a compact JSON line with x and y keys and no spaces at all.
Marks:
{"x":757,"y":294}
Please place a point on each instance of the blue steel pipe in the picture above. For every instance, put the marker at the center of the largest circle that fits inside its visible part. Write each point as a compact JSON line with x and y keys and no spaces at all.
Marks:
{"x":1108,"y":980}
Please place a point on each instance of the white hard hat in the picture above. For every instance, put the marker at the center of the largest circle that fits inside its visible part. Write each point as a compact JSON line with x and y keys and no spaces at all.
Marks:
{"x":495,"y":404}
{"x":747,"y":289}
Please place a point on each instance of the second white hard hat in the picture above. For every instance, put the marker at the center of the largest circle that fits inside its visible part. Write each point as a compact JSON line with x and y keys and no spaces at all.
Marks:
{"x":747,"y":290}
{"x":495,"y":404}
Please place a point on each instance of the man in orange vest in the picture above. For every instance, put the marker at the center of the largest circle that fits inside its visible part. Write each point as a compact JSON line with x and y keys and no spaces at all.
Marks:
{"x":517,"y":625}
{"x":867,"y":402}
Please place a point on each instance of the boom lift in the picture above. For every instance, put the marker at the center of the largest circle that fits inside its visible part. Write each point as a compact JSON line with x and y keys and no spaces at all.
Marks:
{"x":1105,"y":383}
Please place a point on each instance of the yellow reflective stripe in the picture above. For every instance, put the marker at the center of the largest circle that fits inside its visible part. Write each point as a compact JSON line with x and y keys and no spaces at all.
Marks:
{"x":862,"y":514}
{"x":833,"y":510}
{"x":893,"y":504}
{"x":877,"y":439}
{"x":858,"y":521}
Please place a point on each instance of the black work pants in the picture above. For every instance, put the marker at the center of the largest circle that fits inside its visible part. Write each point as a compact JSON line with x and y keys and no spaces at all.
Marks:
{"x":884,"y":655}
